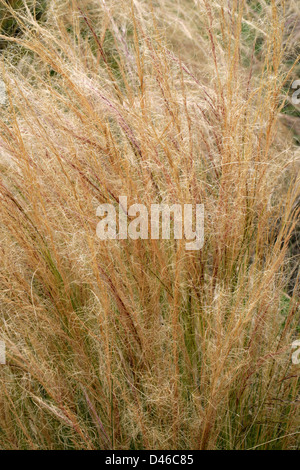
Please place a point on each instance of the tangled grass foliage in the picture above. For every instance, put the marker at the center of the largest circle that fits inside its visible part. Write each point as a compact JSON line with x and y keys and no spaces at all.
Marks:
{"x":140,"y":344}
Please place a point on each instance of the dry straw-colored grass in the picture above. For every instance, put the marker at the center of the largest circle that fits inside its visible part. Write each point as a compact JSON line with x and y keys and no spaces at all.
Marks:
{"x":142,"y":344}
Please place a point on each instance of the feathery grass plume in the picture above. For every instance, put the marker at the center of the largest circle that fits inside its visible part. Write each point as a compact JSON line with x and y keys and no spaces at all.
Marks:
{"x":140,"y":344}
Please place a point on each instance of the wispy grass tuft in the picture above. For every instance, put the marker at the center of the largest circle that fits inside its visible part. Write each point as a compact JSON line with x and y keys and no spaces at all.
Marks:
{"x":141,"y":344}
